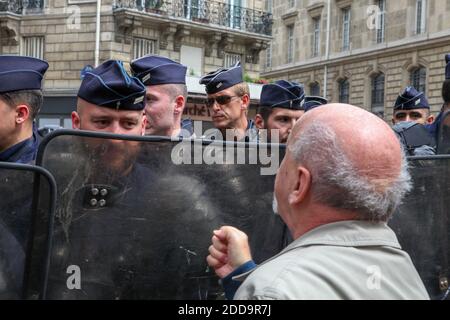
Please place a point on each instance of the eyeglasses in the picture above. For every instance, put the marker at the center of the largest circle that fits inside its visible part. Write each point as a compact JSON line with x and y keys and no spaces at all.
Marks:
{"x":221,"y":100}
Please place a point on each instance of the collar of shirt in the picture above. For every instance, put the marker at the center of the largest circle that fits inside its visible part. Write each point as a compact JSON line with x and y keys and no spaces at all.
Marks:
{"x":11,"y":151}
{"x":24,"y":151}
{"x":350,"y":233}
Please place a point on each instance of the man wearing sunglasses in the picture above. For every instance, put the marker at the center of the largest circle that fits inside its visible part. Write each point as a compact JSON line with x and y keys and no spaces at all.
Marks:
{"x":228,"y":101}
{"x":280,"y":107}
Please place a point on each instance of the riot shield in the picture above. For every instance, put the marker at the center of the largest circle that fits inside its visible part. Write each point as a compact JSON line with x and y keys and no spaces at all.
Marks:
{"x":422,"y":222}
{"x":135,"y":215}
{"x":443,"y":144}
{"x":23,"y":188}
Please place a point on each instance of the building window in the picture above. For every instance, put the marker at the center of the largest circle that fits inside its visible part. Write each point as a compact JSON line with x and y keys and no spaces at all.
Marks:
{"x":316,"y":38}
{"x":33,"y":6}
{"x":269,"y":5}
{"x":377,"y":106}
{"x":195,"y":9}
{"x":192,"y":57}
{"x":53,"y":122}
{"x":346,"y":29}
{"x":67,"y":123}
{"x":381,"y":20}
{"x":418,"y":79}
{"x":235,"y":13}
{"x":290,"y":43}
{"x":142,"y":47}
{"x":269,"y":56}
{"x":33,"y":47}
{"x":344,"y":91}
{"x":291,"y":3}
{"x":230,"y":59}
{"x":421,"y":6}
{"x":314,"y":89}
{"x":42,"y":122}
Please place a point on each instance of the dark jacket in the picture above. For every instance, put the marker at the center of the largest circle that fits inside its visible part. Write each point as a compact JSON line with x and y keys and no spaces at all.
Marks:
{"x":22,"y":152}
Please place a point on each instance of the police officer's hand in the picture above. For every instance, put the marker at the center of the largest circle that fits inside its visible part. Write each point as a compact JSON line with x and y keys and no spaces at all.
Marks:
{"x":229,"y":250}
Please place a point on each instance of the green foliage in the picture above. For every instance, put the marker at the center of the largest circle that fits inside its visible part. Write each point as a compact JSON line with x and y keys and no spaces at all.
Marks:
{"x":249,"y":79}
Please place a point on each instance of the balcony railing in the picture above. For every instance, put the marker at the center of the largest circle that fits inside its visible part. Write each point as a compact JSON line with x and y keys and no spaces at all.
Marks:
{"x":22,"y":6}
{"x":205,"y":11}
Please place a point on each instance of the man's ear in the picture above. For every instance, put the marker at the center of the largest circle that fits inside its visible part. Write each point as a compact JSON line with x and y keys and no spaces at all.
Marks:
{"x":302,"y":186}
{"x":76,"y":121}
{"x":430,"y":119}
{"x":144,"y":124}
{"x":22,"y":113}
{"x":179,"y":105}
{"x":245,"y":102}
{"x":259,"y":122}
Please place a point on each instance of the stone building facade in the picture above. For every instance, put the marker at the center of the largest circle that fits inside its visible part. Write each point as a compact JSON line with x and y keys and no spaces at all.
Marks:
{"x":202,"y":34}
{"x":365,"y":54}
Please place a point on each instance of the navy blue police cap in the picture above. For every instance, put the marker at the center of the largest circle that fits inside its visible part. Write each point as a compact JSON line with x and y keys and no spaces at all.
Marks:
{"x":21,"y":73}
{"x":410,"y":98}
{"x":282,"y":94}
{"x":447,"y":66}
{"x":153,"y":70}
{"x":222,"y":78}
{"x":312,"y":102}
{"x":109,"y":85}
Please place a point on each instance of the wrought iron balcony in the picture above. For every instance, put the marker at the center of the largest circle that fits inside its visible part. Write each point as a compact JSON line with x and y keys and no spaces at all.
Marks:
{"x":205,"y":11}
{"x":22,"y":6}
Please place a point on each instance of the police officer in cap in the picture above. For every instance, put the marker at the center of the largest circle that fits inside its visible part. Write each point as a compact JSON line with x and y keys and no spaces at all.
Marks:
{"x":120,"y":234}
{"x":412,"y":105}
{"x":105,"y":193}
{"x":280,"y":106}
{"x":109,"y":100}
{"x":411,"y":112}
{"x":228,"y":101}
{"x":165,"y":81}
{"x":20,"y":101}
{"x":311,"y":102}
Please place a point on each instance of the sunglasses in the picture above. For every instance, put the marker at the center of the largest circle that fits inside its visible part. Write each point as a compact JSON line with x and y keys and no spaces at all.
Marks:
{"x":221,"y":100}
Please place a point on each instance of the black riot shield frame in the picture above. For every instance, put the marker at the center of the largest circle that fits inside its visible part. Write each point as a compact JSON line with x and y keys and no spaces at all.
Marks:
{"x":443,"y":143}
{"x":135,"y":215}
{"x":24,"y":188}
{"x":422,"y":222}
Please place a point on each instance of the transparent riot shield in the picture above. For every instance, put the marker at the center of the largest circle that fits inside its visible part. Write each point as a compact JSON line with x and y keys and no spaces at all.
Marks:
{"x":422,"y":222}
{"x":443,"y":144}
{"x":135,"y":215}
{"x":23,"y":188}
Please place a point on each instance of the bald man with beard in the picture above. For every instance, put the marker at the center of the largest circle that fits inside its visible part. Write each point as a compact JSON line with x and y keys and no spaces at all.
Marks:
{"x":336,"y":188}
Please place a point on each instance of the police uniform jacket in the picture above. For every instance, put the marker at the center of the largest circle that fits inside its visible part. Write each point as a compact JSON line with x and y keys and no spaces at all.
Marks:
{"x":24,"y":151}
